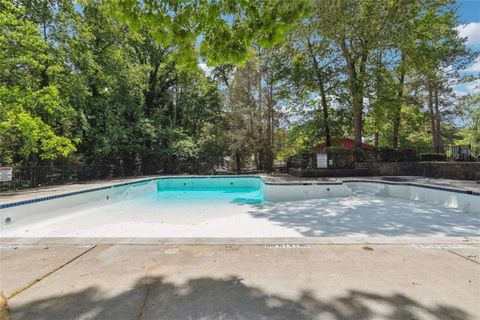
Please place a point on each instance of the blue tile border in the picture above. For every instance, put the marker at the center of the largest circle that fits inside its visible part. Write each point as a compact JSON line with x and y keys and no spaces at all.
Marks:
{"x":73,"y":193}
{"x":286,"y":184}
{"x":68,"y":194}
{"x":413,"y":184}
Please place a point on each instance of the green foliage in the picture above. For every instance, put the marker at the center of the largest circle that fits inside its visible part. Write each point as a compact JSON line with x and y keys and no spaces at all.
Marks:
{"x":35,"y":120}
{"x":433,"y":157}
{"x":396,"y":155}
{"x":300,"y":138}
{"x":118,"y":82}
{"x":222,"y":30}
{"x":340,"y":150}
{"x":24,"y":133}
{"x":470,"y":133}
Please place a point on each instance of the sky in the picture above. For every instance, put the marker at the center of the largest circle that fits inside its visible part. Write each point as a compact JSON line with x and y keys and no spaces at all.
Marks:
{"x":469,"y":16}
{"x":469,"y":10}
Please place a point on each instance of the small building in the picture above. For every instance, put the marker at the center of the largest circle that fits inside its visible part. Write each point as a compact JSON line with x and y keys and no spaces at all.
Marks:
{"x":324,"y":160}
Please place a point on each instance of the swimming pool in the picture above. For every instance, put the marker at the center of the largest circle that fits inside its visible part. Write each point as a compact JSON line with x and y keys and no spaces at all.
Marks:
{"x":179,"y":207}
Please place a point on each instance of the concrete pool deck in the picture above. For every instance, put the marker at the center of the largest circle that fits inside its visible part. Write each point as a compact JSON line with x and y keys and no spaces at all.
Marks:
{"x":302,"y":281}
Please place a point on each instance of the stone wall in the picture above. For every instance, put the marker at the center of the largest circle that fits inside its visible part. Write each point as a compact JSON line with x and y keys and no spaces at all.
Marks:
{"x":318,"y":173}
{"x":442,"y":170}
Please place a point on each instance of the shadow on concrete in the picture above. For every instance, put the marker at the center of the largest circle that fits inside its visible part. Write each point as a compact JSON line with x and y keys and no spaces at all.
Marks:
{"x":369,"y":216}
{"x":153,"y":298}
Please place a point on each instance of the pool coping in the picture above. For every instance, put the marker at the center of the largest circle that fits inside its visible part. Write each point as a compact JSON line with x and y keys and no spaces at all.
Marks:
{"x":433,"y":241}
{"x":9,"y":204}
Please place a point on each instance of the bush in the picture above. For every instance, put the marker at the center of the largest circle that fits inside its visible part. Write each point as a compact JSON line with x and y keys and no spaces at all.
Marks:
{"x":301,"y":160}
{"x":397,"y":155}
{"x":340,"y":157}
{"x":433,"y":157}
{"x":365,"y":155}
{"x":341,"y":160}
{"x":338,"y":150}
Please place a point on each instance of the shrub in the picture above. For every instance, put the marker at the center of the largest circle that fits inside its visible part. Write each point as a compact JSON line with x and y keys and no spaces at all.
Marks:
{"x":301,"y":160}
{"x":396,"y":155}
{"x":365,"y":155}
{"x":338,"y":150}
{"x":433,"y":157}
{"x":340,"y":157}
{"x":341,"y":160}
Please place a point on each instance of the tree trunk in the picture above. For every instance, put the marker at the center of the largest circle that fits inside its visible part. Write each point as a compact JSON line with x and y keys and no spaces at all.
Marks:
{"x":326,"y":122}
{"x":357,"y":104}
{"x":358,"y":98}
{"x":238,"y":161}
{"x":358,"y":126}
{"x":128,"y":163}
{"x":398,"y":110}
{"x":44,"y":79}
{"x":431,"y":114}
{"x":396,"y":129}
{"x":323,"y":97}
{"x":272,"y":139}
{"x":269,"y":145}
{"x":438,"y":130}
{"x":150,"y":93}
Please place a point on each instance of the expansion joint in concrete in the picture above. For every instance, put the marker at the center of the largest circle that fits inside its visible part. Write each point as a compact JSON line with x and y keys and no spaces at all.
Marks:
{"x":28,"y":286}
{"x":462,"y":256}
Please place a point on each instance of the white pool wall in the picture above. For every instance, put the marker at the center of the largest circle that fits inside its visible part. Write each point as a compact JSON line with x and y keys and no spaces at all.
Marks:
{"x":53,"y":208}
{"x":296,"y":192}
{"x":448,"y":199}
{"x":206,"y":182}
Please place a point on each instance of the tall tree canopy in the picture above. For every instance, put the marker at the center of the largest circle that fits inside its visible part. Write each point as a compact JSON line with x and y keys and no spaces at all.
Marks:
{"x":222,"y":31}
{"x":174,"y":85}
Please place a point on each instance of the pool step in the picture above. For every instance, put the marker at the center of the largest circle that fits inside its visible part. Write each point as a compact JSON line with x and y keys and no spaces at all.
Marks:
{"x":373,"y":189}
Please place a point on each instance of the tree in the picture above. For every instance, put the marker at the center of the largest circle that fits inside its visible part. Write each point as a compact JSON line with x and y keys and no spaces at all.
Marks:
{"x":439,"y":53}
{"x":223,"y":30}
{"x":471,"y":130}
{"x":353,"y":26}
{"x":118,"y":82}
{"x":35,"y":120}
{"x":313,"y":67}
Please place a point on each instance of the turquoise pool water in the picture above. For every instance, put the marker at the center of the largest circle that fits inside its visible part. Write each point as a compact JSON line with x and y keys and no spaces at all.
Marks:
{"x":238,"y":190}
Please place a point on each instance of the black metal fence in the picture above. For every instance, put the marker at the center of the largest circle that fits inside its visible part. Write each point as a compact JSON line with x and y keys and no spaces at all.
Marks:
{"x":40,"y":176}
{"x":444,"y":153}
{"x":342,"y":158}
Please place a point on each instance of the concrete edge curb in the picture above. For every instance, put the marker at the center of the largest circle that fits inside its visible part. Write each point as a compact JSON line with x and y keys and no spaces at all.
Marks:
{"x":241,"y":241}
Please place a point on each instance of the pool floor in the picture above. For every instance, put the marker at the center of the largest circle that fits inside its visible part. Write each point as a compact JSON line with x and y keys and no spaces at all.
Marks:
{"x":347,"y":216}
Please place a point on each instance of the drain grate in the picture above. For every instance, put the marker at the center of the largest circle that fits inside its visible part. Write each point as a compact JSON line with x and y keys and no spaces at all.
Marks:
{"x":441,"y":246}
{"x":288,"y":246}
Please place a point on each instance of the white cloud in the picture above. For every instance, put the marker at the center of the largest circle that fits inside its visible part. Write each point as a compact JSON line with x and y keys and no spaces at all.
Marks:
{"x":475,"y":67}
{"x":205,"y":68}
{"x":471,"y":87}
{"x":474,"y":86}
{"x":471,"y":31}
